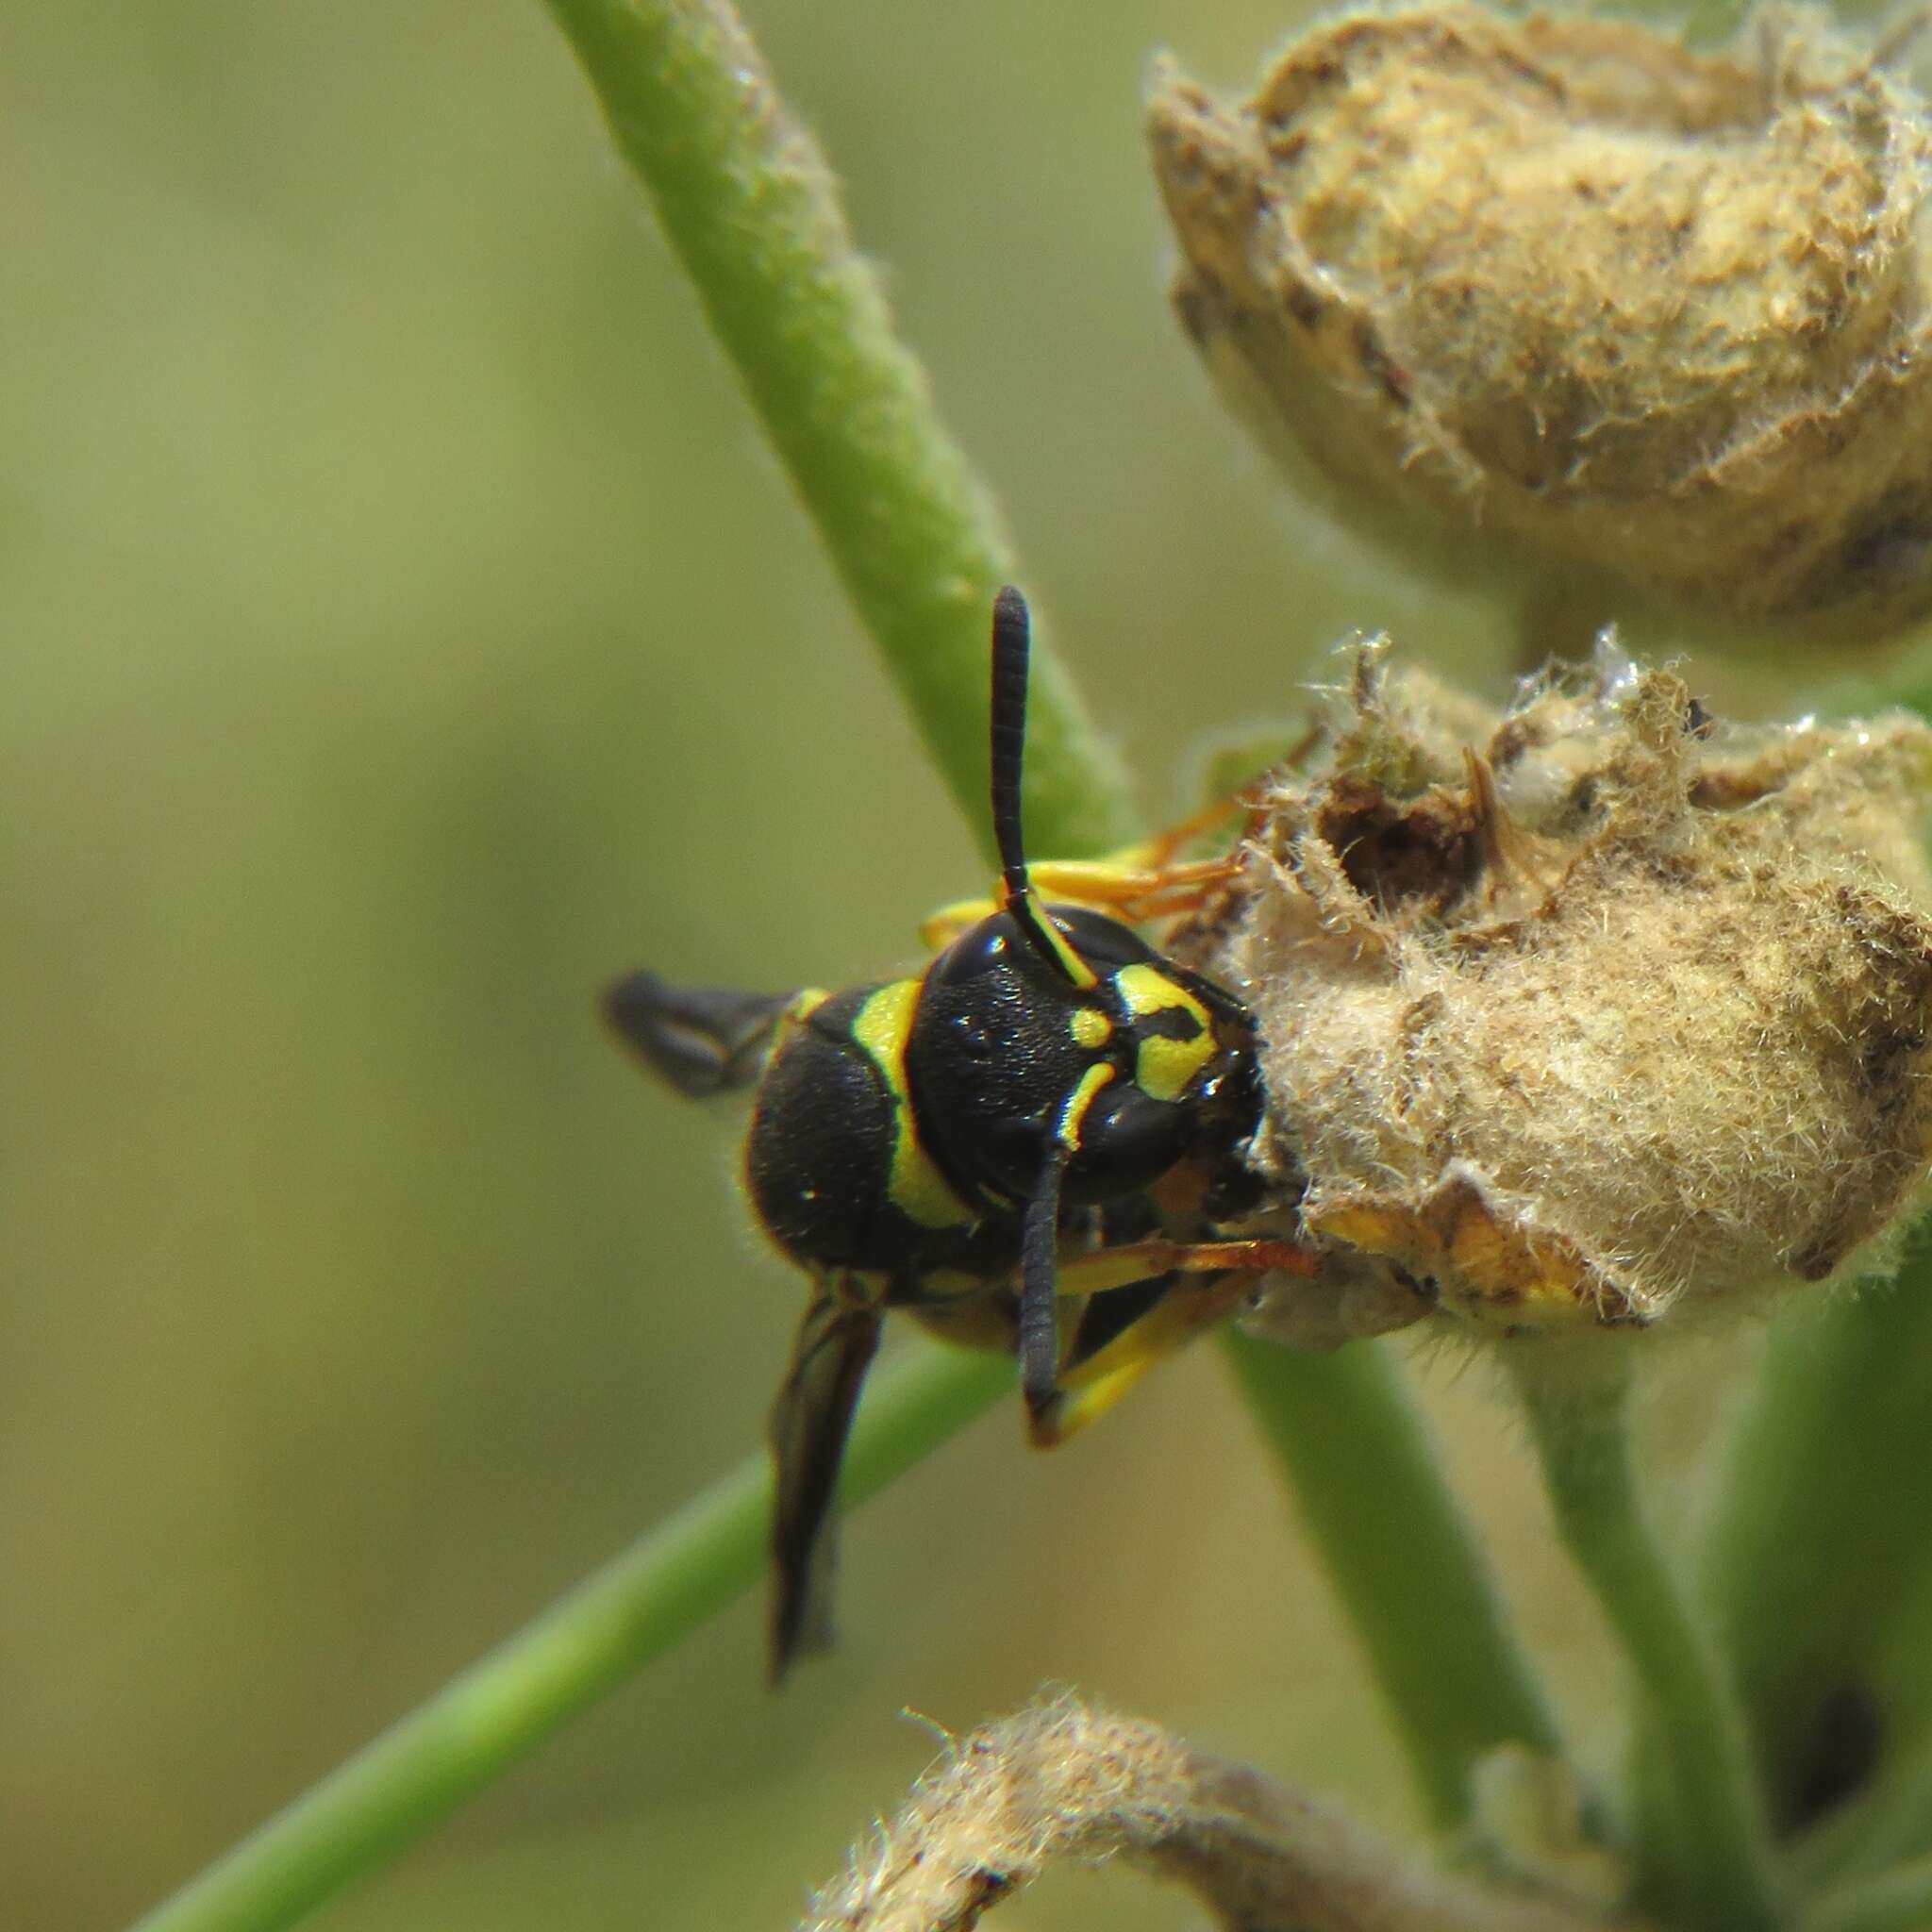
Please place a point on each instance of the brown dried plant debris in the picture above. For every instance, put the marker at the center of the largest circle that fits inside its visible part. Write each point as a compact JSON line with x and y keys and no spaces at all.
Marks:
{"x":1063,"y":1783}
{"x":1585,"y":1010}
{"x":1562,"y":287}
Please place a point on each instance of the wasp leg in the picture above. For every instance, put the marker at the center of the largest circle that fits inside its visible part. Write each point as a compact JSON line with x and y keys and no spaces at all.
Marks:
{"x":1101,"y":1268}
{"x":1139,"y":882}
{"x":1145,"y":875}
{"x":1088,"y":1391}
{"x":1158,"y":851}
{"x":810,"y":1420}
{"x":1092,"y":1387}
{"x":702,"y":1039}
{"x":943,"y":927}
{"x":1137,"y":893}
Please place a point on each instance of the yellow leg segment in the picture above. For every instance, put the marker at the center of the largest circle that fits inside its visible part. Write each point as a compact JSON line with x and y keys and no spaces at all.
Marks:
{"x":943,"y":927}
{"x":1135,"y":891}
{"x":1103,"y":1268}
{"x":1137,"y":883}
{"x":1137,"y":894}
{"x":1088,"y":1392}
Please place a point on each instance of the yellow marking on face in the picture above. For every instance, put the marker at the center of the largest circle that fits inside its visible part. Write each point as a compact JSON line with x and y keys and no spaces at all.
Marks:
{"x":916,"y":1188}
{"x":1073,"y":1114}
{"x":803,"y":1005}
{"x":1090,"y":1027}
{"x":1164,"y":1067}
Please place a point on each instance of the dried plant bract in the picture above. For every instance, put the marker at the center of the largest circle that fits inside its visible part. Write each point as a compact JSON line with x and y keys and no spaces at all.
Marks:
{"x":1063,"y":1783}
{"x":1561,"y":286}
{"x":1588,"y":1010}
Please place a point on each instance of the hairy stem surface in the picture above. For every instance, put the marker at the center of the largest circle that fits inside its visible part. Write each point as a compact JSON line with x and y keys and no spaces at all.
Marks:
{"x":1717,"y":1862}
{"x":750,"y":209}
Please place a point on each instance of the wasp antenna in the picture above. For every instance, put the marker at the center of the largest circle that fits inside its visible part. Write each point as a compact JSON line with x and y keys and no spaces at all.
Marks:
{"x":1038,"y":1325}
{"x":1011,"y":647}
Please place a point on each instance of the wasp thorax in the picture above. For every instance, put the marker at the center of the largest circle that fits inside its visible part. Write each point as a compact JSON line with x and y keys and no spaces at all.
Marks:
{"x":1591,"y":1010}
{"x":1563,"y":286}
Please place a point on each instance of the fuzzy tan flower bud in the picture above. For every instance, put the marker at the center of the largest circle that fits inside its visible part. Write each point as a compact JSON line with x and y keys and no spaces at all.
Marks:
{"x":1599,"y":1005}
{"x":1562,"y":288}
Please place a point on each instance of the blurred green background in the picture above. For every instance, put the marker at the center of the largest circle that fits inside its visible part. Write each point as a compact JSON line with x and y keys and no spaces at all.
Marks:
{"x":407,"y":631}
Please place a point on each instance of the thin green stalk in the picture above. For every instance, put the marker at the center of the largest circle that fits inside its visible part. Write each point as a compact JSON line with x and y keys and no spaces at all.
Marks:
{"x":671,"y":1581}
{"x":1828,"y":1457}
{"x":1718,"y":1858}
{"x":753,"y":213}
{"x":1402,"y":1558}
{"x":1897,"y":1901}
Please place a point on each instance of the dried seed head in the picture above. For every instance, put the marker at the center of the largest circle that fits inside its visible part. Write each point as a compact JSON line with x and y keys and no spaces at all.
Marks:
{"x":1062,"y":1783}
{"x":1592,"y":1007}
{"x":1562,"y":286}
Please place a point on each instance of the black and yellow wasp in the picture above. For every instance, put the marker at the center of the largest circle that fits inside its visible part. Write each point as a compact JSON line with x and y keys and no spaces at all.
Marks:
{"x":1030,"y":1146}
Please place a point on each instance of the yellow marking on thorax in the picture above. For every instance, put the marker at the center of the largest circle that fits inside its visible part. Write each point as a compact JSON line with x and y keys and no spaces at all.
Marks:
{"x":1073,"y":1114}
{"x":1164,"y":1068}
{"x":1090,"y":1027}
{"x":916,"y":1188}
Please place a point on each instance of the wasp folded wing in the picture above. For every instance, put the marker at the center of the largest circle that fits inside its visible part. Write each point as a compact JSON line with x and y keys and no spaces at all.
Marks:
{"x":702,"y":1039}
{"x":810,"y":1420}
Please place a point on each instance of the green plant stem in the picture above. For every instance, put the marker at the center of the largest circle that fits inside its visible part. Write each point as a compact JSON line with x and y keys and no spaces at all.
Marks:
{"x":1889,"y":1822}
{"x":753,"y":213}
{"x":1719,"y":1855}
{"x":1897,"y":1901}
{"x":665,"y":1585}
{"x":1401,"y":1558}
{"x":1804,"y":1552}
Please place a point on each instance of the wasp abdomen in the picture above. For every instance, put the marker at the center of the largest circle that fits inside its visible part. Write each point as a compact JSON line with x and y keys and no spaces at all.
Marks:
{"x":819,"y":1155}
{"x":838,"y":1170}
